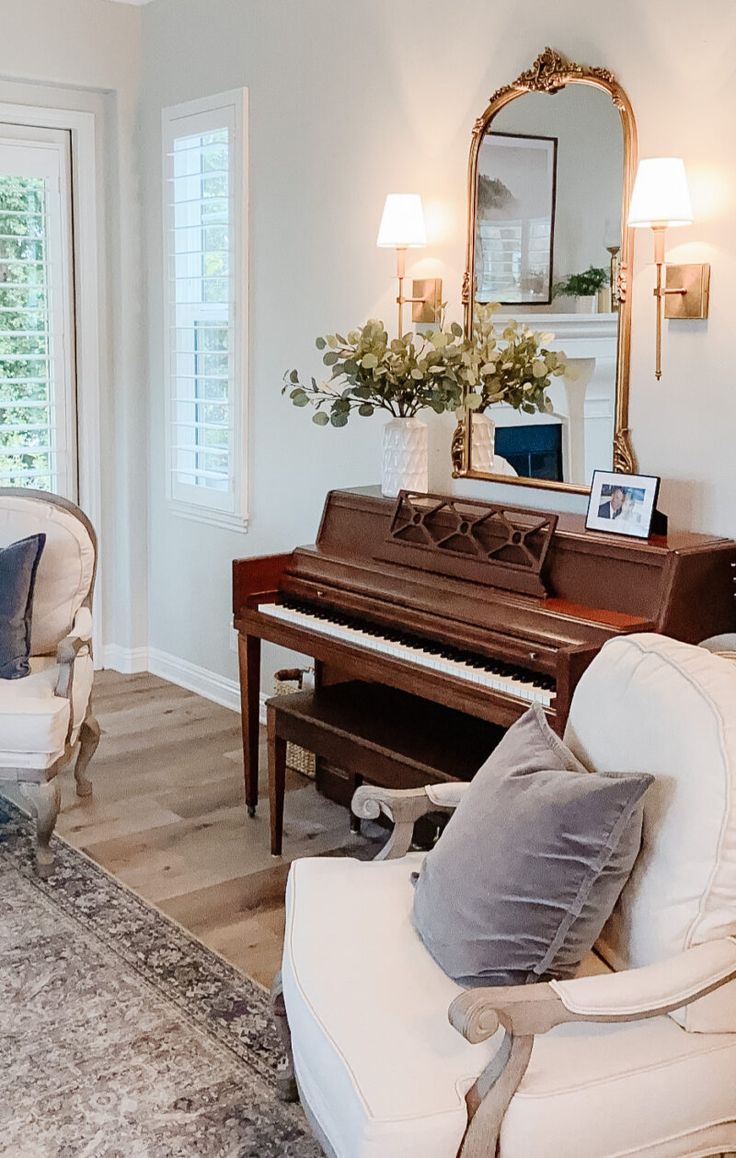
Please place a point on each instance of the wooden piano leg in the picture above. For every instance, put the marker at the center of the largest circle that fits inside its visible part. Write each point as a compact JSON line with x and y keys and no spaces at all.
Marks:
{"x":249,"y":657}
{"x":276,"y":782}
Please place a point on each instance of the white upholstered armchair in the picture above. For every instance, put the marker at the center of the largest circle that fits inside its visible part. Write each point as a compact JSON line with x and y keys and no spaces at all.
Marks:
{"x":635,"y":1056}
{"x":44,"y":715}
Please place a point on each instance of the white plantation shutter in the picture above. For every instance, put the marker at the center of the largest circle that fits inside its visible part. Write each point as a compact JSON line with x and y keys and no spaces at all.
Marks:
{"x":206,"y":267}
{"x":37,"y":383}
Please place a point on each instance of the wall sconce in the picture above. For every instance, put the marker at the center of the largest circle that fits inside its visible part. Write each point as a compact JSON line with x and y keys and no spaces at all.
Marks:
{"x":402,"y":227}
{"x":660,"y":199}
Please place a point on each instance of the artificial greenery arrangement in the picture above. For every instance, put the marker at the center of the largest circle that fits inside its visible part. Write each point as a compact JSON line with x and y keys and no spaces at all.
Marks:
{"x":513,"y":367}
{"x":583,"y":285}
{"x":441,"y":370}
{"x":370,"y":373}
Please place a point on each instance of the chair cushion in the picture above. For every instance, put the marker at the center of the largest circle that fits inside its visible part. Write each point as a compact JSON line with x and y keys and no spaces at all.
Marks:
{"x":528,"y":869}
{"x":385,"y":1075}
{"x":604,"y":1091}
{"x":383,"y":1071}
{"x":66,"y":570}
{"x":18,"y":566}
{"x":34,"y":723}
{"x":651,"y":702}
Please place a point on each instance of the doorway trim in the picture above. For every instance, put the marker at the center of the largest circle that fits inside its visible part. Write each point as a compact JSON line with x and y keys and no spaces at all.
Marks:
{"x":88,"y":232}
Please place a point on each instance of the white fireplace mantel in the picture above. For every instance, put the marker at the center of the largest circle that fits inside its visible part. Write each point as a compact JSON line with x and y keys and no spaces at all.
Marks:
{"x":579,"y":335}
{"x":584,"y":398}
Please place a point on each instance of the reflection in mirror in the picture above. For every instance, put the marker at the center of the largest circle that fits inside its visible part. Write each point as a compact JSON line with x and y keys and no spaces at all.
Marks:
{"x":550,"y":180}
{"x":550,"y":177}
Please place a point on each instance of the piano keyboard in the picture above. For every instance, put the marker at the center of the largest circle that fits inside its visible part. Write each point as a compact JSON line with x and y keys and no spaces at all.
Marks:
{"x":532,"y":687}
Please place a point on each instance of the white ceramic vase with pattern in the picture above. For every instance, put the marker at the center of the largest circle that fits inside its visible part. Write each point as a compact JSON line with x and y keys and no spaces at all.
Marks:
{"x":482,"y":442}
{"x":405,"y":456}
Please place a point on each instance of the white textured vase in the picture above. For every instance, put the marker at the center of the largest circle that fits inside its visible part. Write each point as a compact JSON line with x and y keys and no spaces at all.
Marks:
{"x":482,"y":442}
{"x":405,"y":456}
{"x":587,"y":304}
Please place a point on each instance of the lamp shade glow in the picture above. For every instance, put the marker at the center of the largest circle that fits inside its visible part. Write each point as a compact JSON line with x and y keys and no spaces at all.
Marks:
{"x":661,"y":197}
{"x":402,"y":225}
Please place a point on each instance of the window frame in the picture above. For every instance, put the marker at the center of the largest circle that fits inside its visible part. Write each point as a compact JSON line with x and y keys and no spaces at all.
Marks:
{"x":60,"y":333}
{"x":223,"y":110}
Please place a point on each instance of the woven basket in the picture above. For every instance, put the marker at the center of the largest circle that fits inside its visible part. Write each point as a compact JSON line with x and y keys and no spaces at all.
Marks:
{"x":285,"y":683}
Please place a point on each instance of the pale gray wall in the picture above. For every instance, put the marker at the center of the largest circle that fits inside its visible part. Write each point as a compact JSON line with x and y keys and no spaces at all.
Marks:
{"x":349,"y":101}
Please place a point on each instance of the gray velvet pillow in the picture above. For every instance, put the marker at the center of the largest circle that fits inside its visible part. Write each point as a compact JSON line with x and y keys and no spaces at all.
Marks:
{"x":18,"y":566}
{"x":531,"y":864}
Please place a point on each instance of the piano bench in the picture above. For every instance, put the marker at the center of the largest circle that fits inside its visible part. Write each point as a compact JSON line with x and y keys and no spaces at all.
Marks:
{"x":375,"y":734}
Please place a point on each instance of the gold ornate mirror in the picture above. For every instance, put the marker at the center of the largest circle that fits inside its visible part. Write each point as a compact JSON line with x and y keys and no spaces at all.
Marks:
{"x":552,"y":161}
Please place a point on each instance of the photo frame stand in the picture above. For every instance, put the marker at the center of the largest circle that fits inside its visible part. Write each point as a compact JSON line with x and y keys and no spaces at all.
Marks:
{"x":660,"y":523}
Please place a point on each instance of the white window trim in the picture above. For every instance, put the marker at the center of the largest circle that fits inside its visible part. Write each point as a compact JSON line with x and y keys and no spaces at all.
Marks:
{"x":235,"y":101}
{"x":88,"y":229}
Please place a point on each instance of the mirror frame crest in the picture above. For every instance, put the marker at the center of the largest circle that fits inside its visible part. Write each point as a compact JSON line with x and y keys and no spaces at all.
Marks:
{"x":551,"y":72}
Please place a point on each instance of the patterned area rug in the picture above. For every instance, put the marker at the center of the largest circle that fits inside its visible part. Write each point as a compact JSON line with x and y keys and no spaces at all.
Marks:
{"x":122,"y":1036}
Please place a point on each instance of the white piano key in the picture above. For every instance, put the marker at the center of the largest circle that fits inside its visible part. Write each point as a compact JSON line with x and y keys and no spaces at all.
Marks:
{"x":510,"y":685}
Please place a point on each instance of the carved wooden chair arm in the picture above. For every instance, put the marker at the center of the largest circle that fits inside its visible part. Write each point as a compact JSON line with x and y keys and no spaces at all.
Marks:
{"x":626,"y":996}
{"x":526,"y":1010}
{"x":69,"y":648}
{"x":404,"y":808}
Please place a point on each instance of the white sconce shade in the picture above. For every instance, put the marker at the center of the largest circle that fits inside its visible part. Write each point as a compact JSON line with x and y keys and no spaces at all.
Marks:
{"x":402,"y":225}
{"x":661,"y":197}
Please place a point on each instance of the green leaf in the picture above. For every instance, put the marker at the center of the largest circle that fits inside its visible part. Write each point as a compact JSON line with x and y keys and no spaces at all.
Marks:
{"x":320,"y":419}
{"x":294,"y":376}
{"x":338,"y":419}
{"x":370,"y":361}
{"x":473,"y":401}
{"x":320,"y":343}
{"x":300,"y":400}
{"x":366,"y":410}
{"x":330,"y":358}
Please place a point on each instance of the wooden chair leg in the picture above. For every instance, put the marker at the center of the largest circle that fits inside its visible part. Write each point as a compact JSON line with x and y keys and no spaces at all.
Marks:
{"x":45,"y":802}
{"x":89,"y":738}
{"x":276,"y":781}
{"x":285,"y":1080}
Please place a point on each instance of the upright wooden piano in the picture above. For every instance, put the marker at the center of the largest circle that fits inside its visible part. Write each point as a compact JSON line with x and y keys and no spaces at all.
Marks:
{"x":484,"y":607}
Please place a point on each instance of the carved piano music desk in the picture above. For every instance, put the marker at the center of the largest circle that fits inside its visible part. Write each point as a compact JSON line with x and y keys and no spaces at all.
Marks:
{"x":483,"y":607}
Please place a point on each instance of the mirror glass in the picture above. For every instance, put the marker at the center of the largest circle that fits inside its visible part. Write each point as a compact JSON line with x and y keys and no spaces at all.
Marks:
{"x":549,"y":189}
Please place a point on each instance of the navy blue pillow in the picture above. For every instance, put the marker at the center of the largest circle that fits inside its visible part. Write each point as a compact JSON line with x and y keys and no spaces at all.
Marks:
{"x":18,"y":566}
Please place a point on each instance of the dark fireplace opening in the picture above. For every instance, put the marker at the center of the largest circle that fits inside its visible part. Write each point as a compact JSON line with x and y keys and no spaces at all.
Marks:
{"x":533,"y":451}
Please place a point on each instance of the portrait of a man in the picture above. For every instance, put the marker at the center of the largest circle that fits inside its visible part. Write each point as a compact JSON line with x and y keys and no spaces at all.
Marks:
{"x":613,"y":506}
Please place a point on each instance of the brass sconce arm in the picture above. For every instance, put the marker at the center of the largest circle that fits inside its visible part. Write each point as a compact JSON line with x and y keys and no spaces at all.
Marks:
{"x":660,"y":292}
{"x":426,"y":298}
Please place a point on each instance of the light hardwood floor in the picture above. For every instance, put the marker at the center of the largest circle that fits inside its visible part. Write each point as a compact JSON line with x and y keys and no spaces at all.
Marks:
{"x":167,"y":818}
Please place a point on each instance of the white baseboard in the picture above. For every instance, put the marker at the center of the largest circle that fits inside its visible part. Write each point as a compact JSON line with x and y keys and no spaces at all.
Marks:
{"x":177,"y":671}
{"x":197,"y":679}
{"x":129,"y":660}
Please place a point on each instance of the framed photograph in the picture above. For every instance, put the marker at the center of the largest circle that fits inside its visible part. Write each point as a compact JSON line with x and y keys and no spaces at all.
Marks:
{"x":515,"y":219}
{"x":622,"y":504}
